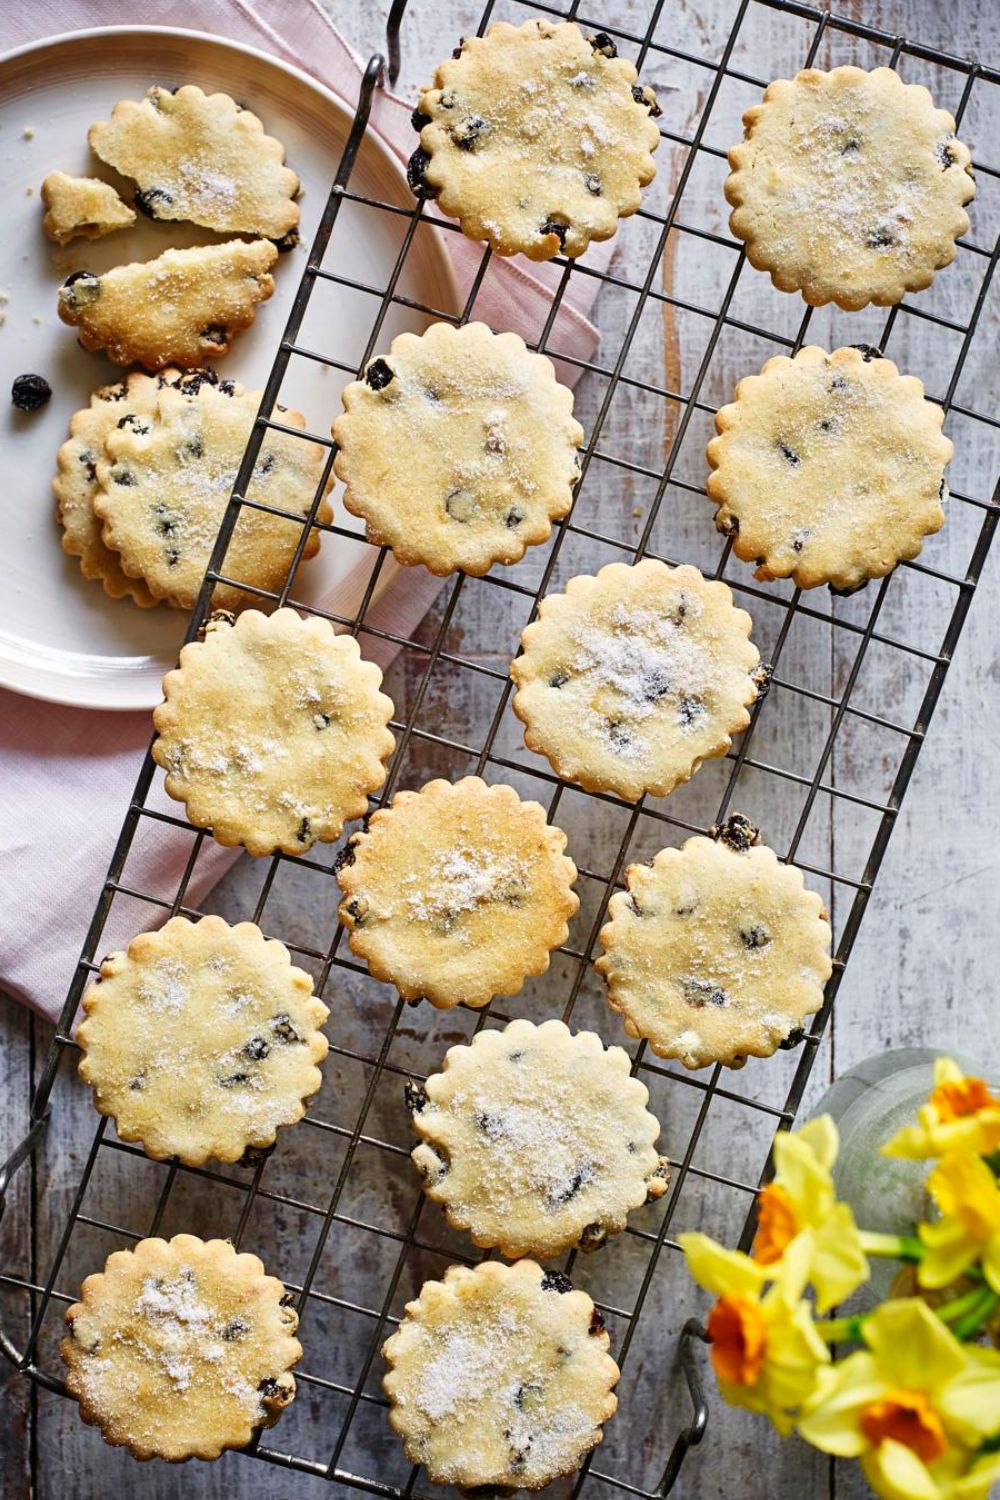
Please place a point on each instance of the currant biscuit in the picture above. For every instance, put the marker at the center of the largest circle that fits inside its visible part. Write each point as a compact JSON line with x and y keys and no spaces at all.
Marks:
{"x":828,"y":468}
{"x":201,"y":1040}
{"x":81,"y":206}
{"x":457,"y":893}
{"x":200,"y":157}
{"x":273,"y":731}
{"x":76,"y":484}
{"x":849,"y":186}
{"x":535,"y":1139}
{"x":164,"y":482}
{"x":716,"y":952}
{"x":181,"y":309}
{"x":180,"y":1349}
{"x":500,"y":1376}
{"x":536,"y":138}
{"x":633,"y":677}
{"x":491,"y":443}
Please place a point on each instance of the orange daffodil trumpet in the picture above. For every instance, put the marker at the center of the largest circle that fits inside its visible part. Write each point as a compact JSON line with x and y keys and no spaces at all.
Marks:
{"x":962,"y":1114}
{"x":765,"y":1349}
{"x":915,"y":1406}
{"x":801,"y":1197}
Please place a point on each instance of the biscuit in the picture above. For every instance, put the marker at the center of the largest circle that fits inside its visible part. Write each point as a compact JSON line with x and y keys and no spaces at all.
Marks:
{"x":202,"y":158}
{"x":181,"y":1348}
{"x":716,"y":952}
{"x":82,"y":206}
{"x":201,"y":1040}
{"x":273,"y":731}
{"x":535,"y":1139}
{"x":491,"y":447}
{"x":500,"y":1375}
{"x":536,"y":138}
{"x":181,"y":309}
{"x":634,"y":676}
{"x":164,"y":483}
{"x":828,"y":468}
{"x":849,"y":186}
{"x":75,"y":484}
{"x":457,"y":893}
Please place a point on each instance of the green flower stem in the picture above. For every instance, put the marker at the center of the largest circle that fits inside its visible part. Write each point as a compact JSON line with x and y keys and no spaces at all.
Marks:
{"x":840,"y":1330}
{"x":891,"y":1246}
{"x":973,"y":1320}
{"x":957,"y":1308}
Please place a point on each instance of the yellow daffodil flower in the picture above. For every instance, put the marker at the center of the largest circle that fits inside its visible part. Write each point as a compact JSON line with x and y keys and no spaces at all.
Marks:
{"x":960,"y":1115}
{"x":801,"y":1196}
{"x":968,"y":1196}
{"x":765,"y":1349}
{"x":914,"y":1406}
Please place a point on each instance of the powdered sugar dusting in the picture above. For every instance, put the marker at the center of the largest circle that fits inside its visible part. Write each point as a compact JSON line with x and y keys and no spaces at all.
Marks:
{"x":461,"y":879}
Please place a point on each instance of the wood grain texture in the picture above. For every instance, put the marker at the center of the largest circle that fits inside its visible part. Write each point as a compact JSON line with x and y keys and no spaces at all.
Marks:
{"x":924,"y":967}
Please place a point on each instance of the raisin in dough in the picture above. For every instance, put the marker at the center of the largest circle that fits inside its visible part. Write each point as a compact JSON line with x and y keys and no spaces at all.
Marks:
{"x":828,"y":468}
{"x":164,"y":484}
{"x":457,"y":892}
{"x":273,"y":731}
{"x":849,"y":186}
{"x":181,"y":1348}
{"x":633,"y":677}
{"x":500,"y":1375}
{"x":201,"y":1040}
{"x":181,"y":309}
{"x":82,"y":206}
{"x":536,"y":138}
{"x":716,"y":952}
{"x":491,"y":444}
{"x":200,"y":157}
{"x":75,"y":483}
{"x":535,"y":1139}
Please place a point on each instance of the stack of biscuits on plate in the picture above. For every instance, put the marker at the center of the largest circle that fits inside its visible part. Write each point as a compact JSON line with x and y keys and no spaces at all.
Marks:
{"x":146,"y":474}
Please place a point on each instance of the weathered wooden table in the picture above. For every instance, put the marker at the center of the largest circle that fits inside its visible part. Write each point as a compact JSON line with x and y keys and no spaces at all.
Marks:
{"x":924,"y":968}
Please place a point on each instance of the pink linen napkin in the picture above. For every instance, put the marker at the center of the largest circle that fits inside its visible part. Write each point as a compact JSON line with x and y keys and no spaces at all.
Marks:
{"x":66,"y":774}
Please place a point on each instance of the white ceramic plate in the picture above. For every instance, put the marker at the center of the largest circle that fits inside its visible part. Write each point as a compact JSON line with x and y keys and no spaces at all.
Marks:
{"x":61,"y":638}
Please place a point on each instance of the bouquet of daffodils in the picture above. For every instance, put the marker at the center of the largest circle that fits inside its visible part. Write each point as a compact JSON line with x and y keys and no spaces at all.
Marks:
{"x":917,"y":1399}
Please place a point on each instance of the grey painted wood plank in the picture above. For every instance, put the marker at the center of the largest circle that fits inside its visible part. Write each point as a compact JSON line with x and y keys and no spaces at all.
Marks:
{"x":902,"y":952}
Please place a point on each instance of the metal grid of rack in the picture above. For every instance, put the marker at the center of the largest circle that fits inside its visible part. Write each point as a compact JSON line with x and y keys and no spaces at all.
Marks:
{"x":43,"y":1288}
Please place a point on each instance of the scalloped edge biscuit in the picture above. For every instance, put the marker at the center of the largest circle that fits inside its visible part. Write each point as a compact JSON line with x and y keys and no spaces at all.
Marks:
{"x":503,"y":206}
{"x":378,"y":872}
{"x":760,"y":177}
{"x":145,"y":1421}
{"x":174,"y":979}
{"x":764,"y":446}
{"x":474,"y":1385}
{"x":218,"y":673}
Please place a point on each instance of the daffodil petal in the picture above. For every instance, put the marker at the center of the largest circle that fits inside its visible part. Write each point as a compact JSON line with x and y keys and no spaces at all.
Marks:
{"x":950,"y":1251}
{"x":946,"y":1070}
{"x":719,"y":1270}
{"x":978,"y":1483}
{"x":912,"y":1346}
{"x":839,"y":1263}
{"x":806,"y":1181}
{"x":970,"y":1402}
{"x":991,"y":1261}
{"x":832,"y":1423}
{"x":896,"y":1473}
{"x":792,"y":1272}
{"x":822,"y":1138}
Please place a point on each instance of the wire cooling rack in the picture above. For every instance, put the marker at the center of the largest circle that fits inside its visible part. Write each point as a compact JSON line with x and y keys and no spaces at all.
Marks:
{"x":352,"y":1255}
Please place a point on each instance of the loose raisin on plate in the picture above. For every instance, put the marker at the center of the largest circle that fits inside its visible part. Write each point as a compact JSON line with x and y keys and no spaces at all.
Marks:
{"x":29,"y":392}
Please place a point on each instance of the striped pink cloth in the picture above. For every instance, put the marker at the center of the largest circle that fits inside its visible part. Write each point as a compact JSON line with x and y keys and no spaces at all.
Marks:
{"x":66,"y":774}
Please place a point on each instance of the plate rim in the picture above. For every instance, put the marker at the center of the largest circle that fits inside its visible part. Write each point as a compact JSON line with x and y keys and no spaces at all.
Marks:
{"x":9,"y":682}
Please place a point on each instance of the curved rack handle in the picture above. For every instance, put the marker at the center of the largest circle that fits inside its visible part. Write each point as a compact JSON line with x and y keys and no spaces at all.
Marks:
{"x":695,"y":1430}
